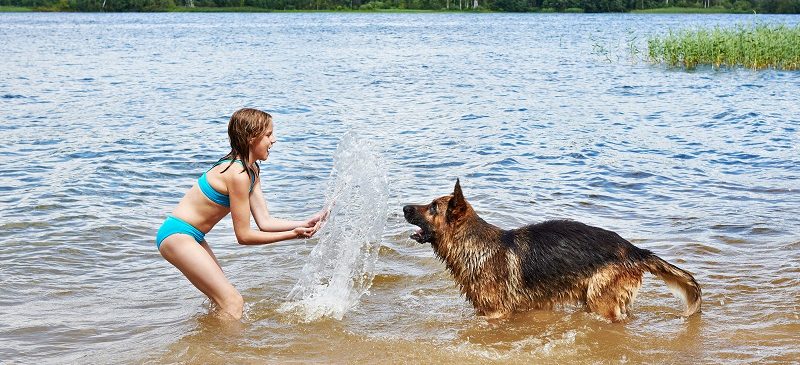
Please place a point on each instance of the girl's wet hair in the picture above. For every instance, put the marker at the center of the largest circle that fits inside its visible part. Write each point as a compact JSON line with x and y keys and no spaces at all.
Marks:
{"x":245,"y":125}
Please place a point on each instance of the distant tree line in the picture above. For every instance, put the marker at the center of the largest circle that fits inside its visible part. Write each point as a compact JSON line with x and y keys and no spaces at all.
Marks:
{"x":589,"y":6}
{"x":94,"y":5}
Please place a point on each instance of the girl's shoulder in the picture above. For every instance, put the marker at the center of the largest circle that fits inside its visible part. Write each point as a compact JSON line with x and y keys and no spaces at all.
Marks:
{"x":228,"y":167}
{"x":233,"y":171}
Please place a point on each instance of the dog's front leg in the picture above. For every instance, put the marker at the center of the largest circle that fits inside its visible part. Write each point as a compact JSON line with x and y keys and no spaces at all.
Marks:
{"x":498,"y":314}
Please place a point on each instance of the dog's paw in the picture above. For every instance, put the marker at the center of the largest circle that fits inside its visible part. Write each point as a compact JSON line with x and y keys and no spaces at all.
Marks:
{"x":494,"y":314}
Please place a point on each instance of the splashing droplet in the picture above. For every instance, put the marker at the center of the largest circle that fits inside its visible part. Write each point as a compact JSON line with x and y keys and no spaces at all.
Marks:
{"x":339,"y":269}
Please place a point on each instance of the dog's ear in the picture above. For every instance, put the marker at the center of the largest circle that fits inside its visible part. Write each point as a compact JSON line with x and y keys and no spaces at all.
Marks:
{"x":457,"y":190}
{"x":457,"y":204}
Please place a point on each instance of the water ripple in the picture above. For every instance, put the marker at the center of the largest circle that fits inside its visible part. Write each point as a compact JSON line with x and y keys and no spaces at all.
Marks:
{"x":108,"y":118}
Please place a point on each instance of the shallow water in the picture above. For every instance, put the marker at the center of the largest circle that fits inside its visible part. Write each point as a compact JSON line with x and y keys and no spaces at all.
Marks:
{"x":108,"y":118}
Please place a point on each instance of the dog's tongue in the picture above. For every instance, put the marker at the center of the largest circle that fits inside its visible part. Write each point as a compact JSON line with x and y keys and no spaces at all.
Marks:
{"x":417,"y":235}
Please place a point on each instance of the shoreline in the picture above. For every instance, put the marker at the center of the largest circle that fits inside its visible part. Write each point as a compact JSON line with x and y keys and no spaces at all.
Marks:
{"x":674,"y":10}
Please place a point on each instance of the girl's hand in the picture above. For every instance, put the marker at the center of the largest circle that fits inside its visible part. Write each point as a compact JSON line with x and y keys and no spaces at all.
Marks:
{"x":303,"y":232}
{"x":316,"y":220}
{"x":312,"y":222}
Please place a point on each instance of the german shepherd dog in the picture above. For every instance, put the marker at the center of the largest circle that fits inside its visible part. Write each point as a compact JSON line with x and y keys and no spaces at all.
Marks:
{"x":540,"y":265}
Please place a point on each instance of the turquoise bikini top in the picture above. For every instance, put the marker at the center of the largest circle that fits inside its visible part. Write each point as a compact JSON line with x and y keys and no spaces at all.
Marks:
{"x":214,"y":195}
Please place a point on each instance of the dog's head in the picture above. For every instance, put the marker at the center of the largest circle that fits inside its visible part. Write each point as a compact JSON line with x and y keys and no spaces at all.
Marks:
{"x":436,"y":219}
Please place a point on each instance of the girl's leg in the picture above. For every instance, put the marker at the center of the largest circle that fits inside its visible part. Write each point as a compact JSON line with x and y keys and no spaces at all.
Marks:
{"x":206,"y":247}
{"x":202,"y":270}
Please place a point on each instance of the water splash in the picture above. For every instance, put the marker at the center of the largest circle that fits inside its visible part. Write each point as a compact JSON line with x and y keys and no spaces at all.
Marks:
{"x":340,"y":268}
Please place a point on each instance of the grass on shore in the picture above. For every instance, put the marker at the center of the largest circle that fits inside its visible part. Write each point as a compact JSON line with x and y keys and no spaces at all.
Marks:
{"x":757,"y":47}
{"x":678,"y":10}
{"x":242,"y":9}
{"x":14,"y":9}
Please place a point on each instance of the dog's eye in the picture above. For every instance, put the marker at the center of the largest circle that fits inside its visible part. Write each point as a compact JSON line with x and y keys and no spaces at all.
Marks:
{"x":432,"y":209}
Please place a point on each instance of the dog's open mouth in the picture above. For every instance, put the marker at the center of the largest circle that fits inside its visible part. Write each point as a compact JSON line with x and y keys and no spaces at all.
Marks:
{"x":421,"y":236}
{"x":417,"y":236}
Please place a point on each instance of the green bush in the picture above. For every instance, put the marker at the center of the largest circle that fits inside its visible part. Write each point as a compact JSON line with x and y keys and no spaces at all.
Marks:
{"x":511,"y":5}
{"x":742,"y":6}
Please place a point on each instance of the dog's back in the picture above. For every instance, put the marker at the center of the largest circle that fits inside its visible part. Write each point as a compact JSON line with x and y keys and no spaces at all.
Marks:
{"x":559,"y":255}
{"x":564,"y":260}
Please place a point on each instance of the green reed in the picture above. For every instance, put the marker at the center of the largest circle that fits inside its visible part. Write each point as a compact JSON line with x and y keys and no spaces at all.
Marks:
{"x":758,"y":46}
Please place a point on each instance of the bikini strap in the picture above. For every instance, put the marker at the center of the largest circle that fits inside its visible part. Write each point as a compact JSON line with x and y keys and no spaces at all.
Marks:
{"x":220,"y":162}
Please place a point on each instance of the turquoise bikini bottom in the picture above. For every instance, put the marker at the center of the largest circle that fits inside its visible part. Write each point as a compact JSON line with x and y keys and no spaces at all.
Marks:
{"x":173,"y":225}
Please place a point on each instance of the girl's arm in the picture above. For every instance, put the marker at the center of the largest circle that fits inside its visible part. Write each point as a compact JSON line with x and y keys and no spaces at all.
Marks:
{"x":267,"y":223}
{"x":239,"y":193}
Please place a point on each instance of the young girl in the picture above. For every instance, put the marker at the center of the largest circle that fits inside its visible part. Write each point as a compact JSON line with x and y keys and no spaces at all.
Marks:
{"x":232,"y":185}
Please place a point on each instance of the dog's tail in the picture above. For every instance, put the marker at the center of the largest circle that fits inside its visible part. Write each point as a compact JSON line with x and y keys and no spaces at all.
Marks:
{"x":680,"y":282}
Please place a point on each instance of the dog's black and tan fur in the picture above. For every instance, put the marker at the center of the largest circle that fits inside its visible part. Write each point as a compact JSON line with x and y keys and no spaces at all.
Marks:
{"x":540,"y":265}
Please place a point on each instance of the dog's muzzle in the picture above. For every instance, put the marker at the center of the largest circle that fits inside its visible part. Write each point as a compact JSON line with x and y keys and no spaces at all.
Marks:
{"x":422,"y":235}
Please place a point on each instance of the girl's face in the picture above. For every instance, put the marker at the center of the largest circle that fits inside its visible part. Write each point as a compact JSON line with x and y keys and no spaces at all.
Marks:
{"x":259,"y":147}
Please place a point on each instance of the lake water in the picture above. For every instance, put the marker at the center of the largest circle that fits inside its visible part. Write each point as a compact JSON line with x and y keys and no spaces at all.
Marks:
{"x":106,"y":119}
